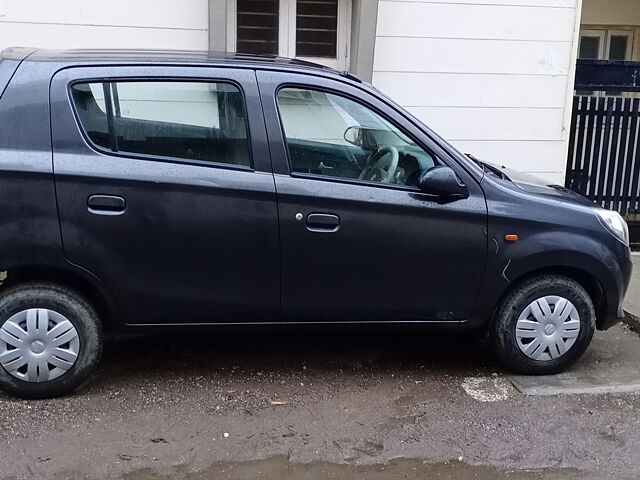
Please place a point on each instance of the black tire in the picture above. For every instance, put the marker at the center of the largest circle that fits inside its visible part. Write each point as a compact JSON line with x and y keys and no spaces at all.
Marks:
{"x":503,"y":334}
{"x":83,"y":317}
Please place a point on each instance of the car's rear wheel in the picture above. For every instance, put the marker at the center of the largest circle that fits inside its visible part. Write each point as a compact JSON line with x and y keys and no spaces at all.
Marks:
{"x":50,"y":340}
{"x":543,"y":325}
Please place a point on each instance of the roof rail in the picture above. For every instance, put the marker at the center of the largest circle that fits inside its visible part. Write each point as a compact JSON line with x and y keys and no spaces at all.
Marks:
{"x":16,"y":53}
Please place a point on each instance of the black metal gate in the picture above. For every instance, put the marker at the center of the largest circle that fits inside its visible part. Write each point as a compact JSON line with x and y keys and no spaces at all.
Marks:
{"x":604,"y":142}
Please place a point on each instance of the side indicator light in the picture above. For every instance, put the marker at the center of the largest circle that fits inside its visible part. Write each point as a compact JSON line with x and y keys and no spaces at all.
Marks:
{"x":511,"y":238}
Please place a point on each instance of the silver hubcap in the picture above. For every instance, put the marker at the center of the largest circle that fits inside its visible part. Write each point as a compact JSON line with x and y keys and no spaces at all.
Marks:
{"x":547,"y":328}
{"x":38,"y":345}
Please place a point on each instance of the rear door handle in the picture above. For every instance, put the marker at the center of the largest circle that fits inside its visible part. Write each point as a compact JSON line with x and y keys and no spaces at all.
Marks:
{"x":323,"y":222}
{"x":106,"y":204}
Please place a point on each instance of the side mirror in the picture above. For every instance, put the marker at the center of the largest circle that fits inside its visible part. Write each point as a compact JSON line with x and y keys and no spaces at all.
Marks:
{"x":443,"y":182}
{"x":353,"y":135}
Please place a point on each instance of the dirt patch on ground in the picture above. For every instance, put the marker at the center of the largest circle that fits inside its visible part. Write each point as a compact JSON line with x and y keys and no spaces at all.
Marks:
{"x":279,"y":468}
{"x":314,"y":404}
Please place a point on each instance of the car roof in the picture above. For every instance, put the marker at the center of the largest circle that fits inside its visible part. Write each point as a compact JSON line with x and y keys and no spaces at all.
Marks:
{"x":174,"y":57}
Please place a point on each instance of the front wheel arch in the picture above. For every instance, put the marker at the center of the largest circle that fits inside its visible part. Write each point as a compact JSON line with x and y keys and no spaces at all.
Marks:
{"x":586,"y":280}
{"x":503,"y":335}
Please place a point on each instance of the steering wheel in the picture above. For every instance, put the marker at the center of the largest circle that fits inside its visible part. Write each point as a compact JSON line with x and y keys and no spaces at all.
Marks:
{"x":381,"y":165}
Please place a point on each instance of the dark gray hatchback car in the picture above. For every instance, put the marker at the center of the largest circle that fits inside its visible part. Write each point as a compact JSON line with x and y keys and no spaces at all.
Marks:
{"x":149,"y":190}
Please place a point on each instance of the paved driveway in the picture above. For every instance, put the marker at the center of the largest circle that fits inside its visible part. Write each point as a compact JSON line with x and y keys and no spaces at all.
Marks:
{"x":632,"y":300}
{"x":317,"y":404}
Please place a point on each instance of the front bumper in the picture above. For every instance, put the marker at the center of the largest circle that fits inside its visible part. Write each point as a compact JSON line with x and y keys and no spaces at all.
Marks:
{"x":611,"y":318}
{"x":613,"y":311}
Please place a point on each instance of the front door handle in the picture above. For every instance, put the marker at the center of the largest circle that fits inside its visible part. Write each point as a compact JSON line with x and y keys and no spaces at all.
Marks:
{"x":323,"y":222}
{"x":106,"y":204}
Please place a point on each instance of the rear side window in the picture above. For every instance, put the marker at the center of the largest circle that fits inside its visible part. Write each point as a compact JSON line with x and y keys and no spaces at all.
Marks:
{"x":202,"y":121}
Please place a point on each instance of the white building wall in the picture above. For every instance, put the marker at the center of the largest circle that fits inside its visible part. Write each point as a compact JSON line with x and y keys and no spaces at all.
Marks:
{"x":611,"y":12}
{"x":491,"y":76}
{"x":167,"y":24}
{"x":614,"y":15}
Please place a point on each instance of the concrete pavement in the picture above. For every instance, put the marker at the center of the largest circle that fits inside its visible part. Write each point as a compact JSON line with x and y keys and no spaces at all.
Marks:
{"x":610,"y":365}
{"x":313,"y":404}
{"x":316,"y":403}
{"x":632,"y":300}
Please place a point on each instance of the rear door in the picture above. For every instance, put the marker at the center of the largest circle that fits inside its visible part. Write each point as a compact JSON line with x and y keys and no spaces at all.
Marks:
{"x":359,"y":241}
{"x":165,"y":191}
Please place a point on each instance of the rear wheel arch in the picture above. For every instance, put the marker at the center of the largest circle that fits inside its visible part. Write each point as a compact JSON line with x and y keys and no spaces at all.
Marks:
{"x":51,"y":339}
{"x":83,"y":285}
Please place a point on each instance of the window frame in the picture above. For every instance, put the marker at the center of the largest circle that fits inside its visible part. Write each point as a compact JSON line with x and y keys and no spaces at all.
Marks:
{"x":287,"y":33}
{"x":107,"y":80}
{"x":344,"y":180}
{"x":604,"y":32}
{"x":342,"y":39}
{"x":601,"y":34}
{"x":620,"y":33}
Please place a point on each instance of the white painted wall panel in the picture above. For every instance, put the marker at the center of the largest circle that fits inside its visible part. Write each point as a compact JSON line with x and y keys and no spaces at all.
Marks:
{"x":526,"y":3}
{"x":492,"y":123}
{"x":531,"y":156}
{"x":492,"y":76}
{"x":434,"y":20}
{"x":610,"y":12}
{"x":402,"y":54}
{"x":85,"y":36}
{"x":155,"y":24}
{"x":186,"y":14}
{"x":472,"y":90}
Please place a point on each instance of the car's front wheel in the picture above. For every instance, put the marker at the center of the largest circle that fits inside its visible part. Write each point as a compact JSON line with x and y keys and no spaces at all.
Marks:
{"x":543,"y":325}
{"x":50,"y":340}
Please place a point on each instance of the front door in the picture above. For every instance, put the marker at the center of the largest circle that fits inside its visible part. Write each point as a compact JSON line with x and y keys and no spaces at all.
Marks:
{"x":164,"y":195}
{"x":359,"y":241}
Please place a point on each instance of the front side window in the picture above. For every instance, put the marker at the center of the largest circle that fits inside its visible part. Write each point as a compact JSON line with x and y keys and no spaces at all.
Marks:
{"x":203,"y":121}
{"x":334,"y":136}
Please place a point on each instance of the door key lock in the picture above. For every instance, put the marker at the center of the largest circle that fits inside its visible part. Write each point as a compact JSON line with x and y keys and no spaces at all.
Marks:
{"x":299,"y":216}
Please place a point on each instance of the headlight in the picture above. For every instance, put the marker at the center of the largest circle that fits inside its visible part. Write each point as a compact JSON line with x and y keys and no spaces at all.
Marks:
{"x":614,"y":222}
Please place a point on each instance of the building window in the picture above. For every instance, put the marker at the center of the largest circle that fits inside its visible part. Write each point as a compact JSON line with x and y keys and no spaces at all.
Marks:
{"x":590,"y":46}
{"x":317,"y":30}
{"x":257,"y":26}
{"x":605,"y":44}
{"x":619,"y":45}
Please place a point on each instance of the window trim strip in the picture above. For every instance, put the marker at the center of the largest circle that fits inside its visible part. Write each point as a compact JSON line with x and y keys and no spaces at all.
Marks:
{"x":113,"y":140}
